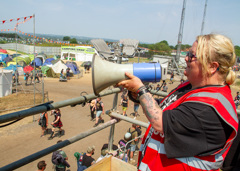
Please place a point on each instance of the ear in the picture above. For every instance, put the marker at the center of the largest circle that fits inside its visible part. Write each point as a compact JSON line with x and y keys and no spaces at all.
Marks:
{"x":214,"y":67}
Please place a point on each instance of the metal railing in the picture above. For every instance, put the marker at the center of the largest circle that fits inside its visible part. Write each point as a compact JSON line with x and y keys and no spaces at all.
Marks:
{"x":49,"y":106}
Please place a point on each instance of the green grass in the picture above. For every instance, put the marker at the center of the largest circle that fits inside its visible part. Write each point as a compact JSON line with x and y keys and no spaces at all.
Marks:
{"x":135,"y":60}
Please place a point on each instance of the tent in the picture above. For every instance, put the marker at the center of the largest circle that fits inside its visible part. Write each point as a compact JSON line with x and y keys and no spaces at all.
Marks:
{"x":5,"y":82}
{"x":73,"y":67}
{"x":49,"y":72}
{"x":25,"y":58}
{"x":3,"y":51}
{"x":28,"y":68}
{"x":3,"y":56}
{"x":7,"y":59}
{"x":48,"y":62}
{"x":57,"y":67}
{"x":14,"y":68}
{"x":38,"y":62}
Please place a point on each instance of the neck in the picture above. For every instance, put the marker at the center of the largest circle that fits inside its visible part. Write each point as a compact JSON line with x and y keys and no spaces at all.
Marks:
{"x":212,"y":80}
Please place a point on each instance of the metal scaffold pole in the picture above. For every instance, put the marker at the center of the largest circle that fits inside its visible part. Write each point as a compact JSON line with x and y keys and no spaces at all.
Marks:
{"x":179,"y":43}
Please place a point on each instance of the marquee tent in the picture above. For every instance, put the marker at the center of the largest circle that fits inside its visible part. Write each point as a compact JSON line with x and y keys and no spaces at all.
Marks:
{"x":78,"y":53}
{"x":5,"y":82}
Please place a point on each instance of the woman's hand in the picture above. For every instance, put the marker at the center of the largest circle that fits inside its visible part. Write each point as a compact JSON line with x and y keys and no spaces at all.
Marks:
{"x":132,"y":84}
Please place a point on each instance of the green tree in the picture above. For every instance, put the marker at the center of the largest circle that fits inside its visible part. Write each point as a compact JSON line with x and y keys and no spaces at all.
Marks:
{"x":237,"y":50}
{"x":73,"y":41}
{"x":66,"y":38}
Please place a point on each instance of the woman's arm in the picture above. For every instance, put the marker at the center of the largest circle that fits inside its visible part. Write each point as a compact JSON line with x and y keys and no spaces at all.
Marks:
{"x":151,"y":109}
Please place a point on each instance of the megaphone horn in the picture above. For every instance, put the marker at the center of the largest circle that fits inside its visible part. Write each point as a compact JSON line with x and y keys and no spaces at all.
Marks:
{"x":105,"y":73}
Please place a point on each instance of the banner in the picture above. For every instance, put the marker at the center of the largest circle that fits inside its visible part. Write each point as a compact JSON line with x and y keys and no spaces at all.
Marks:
{"x":17,"y":19}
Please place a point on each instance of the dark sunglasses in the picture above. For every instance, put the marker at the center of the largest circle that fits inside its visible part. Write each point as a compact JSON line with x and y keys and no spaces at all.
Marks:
{"x":190,"y":55}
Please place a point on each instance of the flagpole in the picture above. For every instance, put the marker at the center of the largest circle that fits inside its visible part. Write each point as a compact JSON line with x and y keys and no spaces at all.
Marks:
{"x":16,"y":56}
{"x":34,"y":70}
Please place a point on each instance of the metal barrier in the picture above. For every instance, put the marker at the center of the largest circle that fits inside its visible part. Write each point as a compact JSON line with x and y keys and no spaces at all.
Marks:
{"x":49,"y":106}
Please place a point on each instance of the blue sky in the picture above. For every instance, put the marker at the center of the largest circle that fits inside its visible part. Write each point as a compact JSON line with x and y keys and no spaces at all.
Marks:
{"x":148,"y":21}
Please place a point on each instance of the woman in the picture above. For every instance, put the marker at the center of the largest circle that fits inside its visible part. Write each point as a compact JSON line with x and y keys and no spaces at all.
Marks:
{"x":57,"y":123}
{"x":43,"y":122}
{"x":196,"y":123}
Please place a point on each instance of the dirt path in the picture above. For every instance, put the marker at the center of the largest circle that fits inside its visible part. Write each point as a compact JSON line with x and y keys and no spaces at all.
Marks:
{"x":20,"y":140}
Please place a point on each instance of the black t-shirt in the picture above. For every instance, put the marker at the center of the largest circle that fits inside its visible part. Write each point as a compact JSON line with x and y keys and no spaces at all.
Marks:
{"x":192,"y":128}
{"x":125,"y":102}
{"x":87,"y":160}
{"x":99,"y":106}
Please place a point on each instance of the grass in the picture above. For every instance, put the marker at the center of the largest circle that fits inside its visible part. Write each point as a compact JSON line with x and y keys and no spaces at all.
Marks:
{"x":135,"y":60}
{"x":19,"y":100}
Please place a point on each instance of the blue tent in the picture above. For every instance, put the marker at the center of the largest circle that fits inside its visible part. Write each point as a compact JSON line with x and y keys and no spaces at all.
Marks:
{"x":7,"y":59}
{"x":3,"y":56}
{"x":73,"y":67}
{"x":48,"y":61}
{"x":12,"y":67}
{"x":38,"y":62}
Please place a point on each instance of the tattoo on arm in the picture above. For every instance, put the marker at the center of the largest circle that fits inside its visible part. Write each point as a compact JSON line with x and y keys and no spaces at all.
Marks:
{"x":150,"y":108}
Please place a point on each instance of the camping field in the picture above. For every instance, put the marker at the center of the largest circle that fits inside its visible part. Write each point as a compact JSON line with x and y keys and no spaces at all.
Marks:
{"x":23,"y":138}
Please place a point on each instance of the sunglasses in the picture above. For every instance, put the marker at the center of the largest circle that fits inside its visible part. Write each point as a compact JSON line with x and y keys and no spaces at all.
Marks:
{"x":190,"y":55}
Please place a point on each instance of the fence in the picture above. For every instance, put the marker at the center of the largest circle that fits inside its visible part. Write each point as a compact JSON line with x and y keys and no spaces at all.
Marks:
{"x":30,"y":48}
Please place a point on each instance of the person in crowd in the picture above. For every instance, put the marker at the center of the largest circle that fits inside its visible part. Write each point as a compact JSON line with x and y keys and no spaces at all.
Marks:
{"x":236,"y":100}
{"x":135,"y":108}
{"x":15,"y":77}
{"x":88,"y":160}
{"x":99,"y":107}
{"x":92,"y":104}
{"x":62,"y":161}
{"x":43,"y":122}
{"x":123,"y":146}
{"x":68,"y":73}
{"x":171,"y":78}
{"x":165,"y":87}
{"x":57,"y":123}
{"x":105,"y":152}
{"x":41,"y":165}
{"x":34,"y":74}
{"x":158,"y":87}
{"x":124,"y":104}
{"x":194,"y":126}
{"x":26,"y":76}
{"x":134,"y":139}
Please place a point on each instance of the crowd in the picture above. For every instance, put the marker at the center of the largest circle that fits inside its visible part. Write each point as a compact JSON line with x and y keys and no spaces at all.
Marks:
{"x":124,"y":150}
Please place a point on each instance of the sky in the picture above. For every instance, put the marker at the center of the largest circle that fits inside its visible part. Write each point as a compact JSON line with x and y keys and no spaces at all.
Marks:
{"x":149,"y":21}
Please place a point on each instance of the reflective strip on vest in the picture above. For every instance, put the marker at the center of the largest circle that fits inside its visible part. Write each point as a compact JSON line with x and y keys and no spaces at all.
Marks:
{"x":221,"y":98}
{"x":144,"y":167}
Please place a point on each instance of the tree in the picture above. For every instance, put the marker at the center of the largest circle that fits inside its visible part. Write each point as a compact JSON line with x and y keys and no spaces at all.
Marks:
{"x":237,"y":50}
{"x":66,"y":38}
{"x":73,"y":41}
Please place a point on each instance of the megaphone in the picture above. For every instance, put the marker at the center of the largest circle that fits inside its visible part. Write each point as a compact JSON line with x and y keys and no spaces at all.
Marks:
{"x":105,"y":73}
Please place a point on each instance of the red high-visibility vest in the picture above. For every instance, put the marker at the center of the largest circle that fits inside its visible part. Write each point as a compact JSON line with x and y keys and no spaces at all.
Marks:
{"x":152,"y":154}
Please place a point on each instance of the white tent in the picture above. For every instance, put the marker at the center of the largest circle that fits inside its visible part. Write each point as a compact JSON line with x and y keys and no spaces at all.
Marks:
{"x":5,"y":82}
{"x":57,"y":67}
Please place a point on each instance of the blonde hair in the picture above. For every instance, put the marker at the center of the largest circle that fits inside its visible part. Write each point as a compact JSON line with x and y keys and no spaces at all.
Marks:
{"x":217,"y":48}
